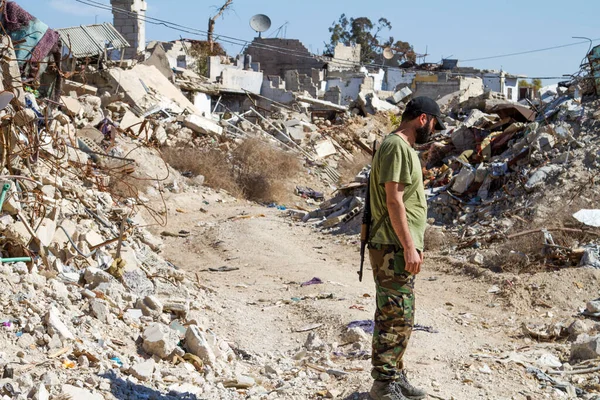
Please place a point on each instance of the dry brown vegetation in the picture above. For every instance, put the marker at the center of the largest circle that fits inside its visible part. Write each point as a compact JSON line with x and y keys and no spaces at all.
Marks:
{"x":254,"y":170}
{"x":349,"y":169}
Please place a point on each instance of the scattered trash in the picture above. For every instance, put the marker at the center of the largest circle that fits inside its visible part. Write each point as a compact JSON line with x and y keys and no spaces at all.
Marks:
{"x":223,"y":269}
{"x":313,"y":281}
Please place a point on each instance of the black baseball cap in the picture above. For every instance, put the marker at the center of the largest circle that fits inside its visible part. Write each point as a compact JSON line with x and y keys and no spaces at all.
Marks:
{"x":426,"y":105}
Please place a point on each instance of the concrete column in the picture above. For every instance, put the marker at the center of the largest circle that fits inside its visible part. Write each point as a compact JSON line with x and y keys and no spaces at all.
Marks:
{"x":133,"y":25}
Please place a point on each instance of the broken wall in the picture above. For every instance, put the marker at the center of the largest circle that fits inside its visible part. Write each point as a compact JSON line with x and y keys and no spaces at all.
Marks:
{"x":396,"y":79}
{"x":130,"y":22}
{"x":345,"y":58}
{"x":233,"y":76}
{"x":279,"y":55}
{"x":274,"y":88}
{"x":436,"y":89}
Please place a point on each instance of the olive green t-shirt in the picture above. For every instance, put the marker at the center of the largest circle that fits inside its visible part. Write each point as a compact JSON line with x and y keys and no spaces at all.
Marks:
{"x":397,"y":161}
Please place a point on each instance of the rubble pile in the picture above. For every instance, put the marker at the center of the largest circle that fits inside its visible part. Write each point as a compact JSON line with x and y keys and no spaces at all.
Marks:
{"x":498,"y":167}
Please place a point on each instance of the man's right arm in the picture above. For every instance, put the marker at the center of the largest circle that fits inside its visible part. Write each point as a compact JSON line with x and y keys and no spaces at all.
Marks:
{"x":395,"y":203}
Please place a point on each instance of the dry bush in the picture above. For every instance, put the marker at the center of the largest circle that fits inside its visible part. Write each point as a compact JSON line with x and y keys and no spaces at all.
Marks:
{"x":262,"y":171}
{"x":349,"y":169}
{"x":212,"y":164}
{"x":255,"y":170}
{"x":436,"y":239}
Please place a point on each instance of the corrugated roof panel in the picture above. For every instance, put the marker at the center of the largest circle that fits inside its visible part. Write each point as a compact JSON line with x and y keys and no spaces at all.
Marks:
{"x":91,"y":40}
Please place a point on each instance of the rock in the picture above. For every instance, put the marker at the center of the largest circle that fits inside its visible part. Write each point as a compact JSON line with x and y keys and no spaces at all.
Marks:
{"x":541,"y":175}
{"x":197,"y":344}
{"x":463,"y":180}
{"x":314,"y":342}
{"x":55,"y":342}
{"x":83,"y":362}
{"x":50,"y":379}
{"x":159,"y":340}
{"x":73,"y":106}
{"x":56,"y":325}
{"x":78,"y":393}
{"x":477,"y":259}
{"x":94,"y":277}
{"x":41,"y":393}
{"x":59,"y":237}
{"x":241,"y":382}
{"x":99,"y":309}
{"x":150,"y":306}
{"x":593,"y":307}
{"x":26,"y":341}
{"x":144,"y":370}
{"x":186,"y":389}
{"x":355,"y":335}
{"x":93,"y":238}
{"x":586,"y":348}
{"x":24,"y":117}
{"x":59,"y":291}
{"x":578,"y":328}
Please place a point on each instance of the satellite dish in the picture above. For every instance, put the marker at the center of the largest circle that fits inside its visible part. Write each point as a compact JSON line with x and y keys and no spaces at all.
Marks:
{"x":260,"y":23}
{"x":388,"y":54}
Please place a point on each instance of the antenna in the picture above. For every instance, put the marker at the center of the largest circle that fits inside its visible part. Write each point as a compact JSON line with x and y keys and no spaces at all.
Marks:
{"x":260,"y":23}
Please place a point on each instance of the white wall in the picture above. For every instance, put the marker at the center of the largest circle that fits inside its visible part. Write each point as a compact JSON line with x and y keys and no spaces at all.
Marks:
{"x":395,"y":77}
{"x":203,"y":103}
{"x":238,"y":79}
{"x":350,"y":88}
{"x":491,"y":81}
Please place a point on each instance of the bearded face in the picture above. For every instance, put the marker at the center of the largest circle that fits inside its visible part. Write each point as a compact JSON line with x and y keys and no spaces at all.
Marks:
{"x":424,"y":132}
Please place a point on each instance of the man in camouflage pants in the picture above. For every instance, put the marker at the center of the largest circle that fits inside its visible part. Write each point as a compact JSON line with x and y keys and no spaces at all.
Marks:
{"x":399,"y":212}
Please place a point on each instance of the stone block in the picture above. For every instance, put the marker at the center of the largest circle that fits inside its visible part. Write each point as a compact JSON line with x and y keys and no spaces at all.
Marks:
{"x":159,"y":340}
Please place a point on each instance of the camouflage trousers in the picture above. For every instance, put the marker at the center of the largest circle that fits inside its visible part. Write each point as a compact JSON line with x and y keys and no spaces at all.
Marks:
{"x":394,"y":316}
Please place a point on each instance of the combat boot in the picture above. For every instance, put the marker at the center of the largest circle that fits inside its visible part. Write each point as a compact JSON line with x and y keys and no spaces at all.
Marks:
{"x":409,"y":391}
{"x":386,"y":390}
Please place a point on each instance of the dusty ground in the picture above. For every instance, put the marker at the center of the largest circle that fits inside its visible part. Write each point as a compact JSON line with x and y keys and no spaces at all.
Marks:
{"x":255,"y":312}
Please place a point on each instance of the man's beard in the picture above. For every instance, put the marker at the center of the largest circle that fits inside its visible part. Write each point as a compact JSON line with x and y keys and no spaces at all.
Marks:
{"x":423,"y":133}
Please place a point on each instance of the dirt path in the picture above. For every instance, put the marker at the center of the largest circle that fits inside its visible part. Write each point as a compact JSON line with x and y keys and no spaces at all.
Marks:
{"x":261,"y":305}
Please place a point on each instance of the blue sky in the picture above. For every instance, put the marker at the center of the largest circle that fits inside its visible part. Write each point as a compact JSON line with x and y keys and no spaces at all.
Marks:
{"x":463,"y":29}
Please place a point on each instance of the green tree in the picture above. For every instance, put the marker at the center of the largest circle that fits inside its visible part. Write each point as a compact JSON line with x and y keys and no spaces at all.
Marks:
{"x":536,"y":84}
{"x":362,"y":31}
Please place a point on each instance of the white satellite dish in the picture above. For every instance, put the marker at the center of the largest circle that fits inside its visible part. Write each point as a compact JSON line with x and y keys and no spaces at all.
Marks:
{"x":260,"y":23}
{"x":388,"y":53}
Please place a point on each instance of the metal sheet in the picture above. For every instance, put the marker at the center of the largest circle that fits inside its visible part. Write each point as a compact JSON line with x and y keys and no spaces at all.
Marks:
{"x":91,"y":40}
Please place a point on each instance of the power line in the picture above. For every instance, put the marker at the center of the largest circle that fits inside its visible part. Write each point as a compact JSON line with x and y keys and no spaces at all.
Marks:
{"x":528,"y":51}
{"x":296,"y":53}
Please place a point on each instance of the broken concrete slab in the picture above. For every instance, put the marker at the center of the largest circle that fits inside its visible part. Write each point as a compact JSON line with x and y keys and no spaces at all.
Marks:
{"x":46,"y":231}
{"x":71,"y":106}
{"x":203,"y":125}
{"x":198,"y":345}
{"x":56,"y":325}
{"x":141,"y":81}
{"x":79,"y":89}
{"x":400,"y":95}
{"x":131,"y":121}
{"x":325,"y":148}
{"x":322,"y":103}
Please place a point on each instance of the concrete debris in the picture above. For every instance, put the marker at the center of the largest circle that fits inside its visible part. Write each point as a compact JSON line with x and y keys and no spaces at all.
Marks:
{"x":586,"y":348}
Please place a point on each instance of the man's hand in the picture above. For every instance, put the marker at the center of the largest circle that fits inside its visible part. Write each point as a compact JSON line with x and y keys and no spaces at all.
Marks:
{"x":413,"y":261}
